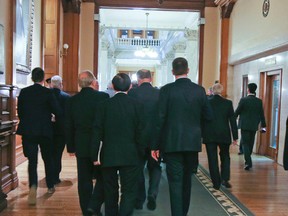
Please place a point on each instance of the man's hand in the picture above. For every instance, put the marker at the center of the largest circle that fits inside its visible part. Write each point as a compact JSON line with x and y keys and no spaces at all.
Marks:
{"x":155,"y":154}
{"x":234,"y":142}
{"x":72,"y":154}
{"x":96,"y":163}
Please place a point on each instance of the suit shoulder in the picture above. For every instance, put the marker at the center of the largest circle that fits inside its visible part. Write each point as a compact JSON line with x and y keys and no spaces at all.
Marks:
{"x":104,"y":94}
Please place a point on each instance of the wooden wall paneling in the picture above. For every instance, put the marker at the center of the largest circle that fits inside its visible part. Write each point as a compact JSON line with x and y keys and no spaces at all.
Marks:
{"x":96,"y":42}
{"x":201,"y":48}
{"x":50,"y":37}
{"x":224,"y":54}
{"x":71,"y":60}
{"x":8,"y":174}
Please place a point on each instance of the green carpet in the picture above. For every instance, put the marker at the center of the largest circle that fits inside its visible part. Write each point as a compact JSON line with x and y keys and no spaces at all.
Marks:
{"x":205,"y":200}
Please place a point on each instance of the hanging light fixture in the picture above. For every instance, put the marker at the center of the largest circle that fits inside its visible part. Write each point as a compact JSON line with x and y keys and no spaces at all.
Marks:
{"x":146,"y":50}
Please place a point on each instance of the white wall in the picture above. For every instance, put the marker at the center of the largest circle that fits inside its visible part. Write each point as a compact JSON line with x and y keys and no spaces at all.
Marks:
{"x":251,"y":33}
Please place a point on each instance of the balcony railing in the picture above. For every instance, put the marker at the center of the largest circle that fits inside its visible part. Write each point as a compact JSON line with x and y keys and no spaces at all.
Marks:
{"x":134,"y":42}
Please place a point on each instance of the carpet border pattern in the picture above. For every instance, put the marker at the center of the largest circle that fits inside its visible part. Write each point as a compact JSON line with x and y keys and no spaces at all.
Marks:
{"x":226,"y":202}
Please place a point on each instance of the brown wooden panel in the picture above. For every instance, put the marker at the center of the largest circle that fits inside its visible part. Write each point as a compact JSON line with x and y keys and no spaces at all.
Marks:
{"x":224,"y":54}
{"x":50,"y":9}
{"x":50,"y":38}
{"x":70,"y":61}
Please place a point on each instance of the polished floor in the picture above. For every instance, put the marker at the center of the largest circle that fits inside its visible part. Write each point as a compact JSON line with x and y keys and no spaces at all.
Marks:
{"x":263,"y":189}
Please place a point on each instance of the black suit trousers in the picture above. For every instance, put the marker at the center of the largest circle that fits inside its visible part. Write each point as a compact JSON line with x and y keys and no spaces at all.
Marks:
{"x":128,"y":180}
{"x":58,"y":148}
{"x":154,"y":170}
{"x":30,"y":148}
{"x":85,"y":169}
{"x":212,"y":154}
{"x":179,"y":168}
{"x":247,"y":142}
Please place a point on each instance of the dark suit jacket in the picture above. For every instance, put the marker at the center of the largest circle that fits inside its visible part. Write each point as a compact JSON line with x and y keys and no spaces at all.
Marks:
{"x":285,"y":157}
{"x":251,"y":113}
{"x":119,"y":125}
{"x":183,"y":105}
{"x":224,"y":122}
{"x":148,"y":96}
{"x":35,"y":106}
{"x":79,"y":122}
{"x":59,"y":125}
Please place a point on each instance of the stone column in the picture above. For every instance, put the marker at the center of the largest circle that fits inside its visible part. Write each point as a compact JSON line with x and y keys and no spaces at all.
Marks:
{"x":192,"y":54}
{"x":103,"y":64}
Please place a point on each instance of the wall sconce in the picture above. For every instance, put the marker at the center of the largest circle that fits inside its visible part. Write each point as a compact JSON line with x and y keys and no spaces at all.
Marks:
{"x":64,"y":51}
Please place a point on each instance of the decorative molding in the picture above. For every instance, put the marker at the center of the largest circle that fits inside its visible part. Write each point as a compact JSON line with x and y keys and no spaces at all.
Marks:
{"x":181,"y":46}
{"x":265,"y":8}
{"x":105,"y":45}
{"x":191,"y":34}
{"x":23,"y":37}
{"x":170,"y":55}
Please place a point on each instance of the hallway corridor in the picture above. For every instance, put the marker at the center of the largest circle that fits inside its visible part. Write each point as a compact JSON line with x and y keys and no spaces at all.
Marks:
{"x":263,"y":190}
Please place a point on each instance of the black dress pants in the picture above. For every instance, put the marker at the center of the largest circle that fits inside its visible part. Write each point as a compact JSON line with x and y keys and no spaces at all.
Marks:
{"x":85,"y":169}
{"x":58,"y":148}
{"x":179,"y":168}
{"x":128,"y":181}
{"x":31,"y":145}
{"x":154,"y":170}
{"x":247,"y":141}
{"x":212,"y":154}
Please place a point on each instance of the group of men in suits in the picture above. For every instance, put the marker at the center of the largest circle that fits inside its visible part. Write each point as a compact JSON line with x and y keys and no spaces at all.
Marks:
{"x":117,"y":136}
{"x":41,"y":113}
{"x":217,"y":133}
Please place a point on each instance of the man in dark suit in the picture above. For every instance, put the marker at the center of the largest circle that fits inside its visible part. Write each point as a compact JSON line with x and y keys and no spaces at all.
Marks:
{"x":119,"y":125}
{"x":217,"y":133}
{"x":251,"y":113}
{"x":35,"y":107}
{"x":183,"y":105}
{"x":80,"y":116}
{"x":146,"y":94}
{"x":58,"y":126}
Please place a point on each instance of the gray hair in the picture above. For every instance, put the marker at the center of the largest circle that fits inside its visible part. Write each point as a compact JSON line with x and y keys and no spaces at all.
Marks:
{"x":217,"y":89}
{"x":56,"y":82}
{"x":86,"y":78}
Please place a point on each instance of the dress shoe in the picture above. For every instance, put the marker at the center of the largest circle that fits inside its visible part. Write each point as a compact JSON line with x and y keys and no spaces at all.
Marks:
{"x":247,"y":167}
{"x":216,"y":187}
{"x":93,"y":212}
{"x":226,"y":184}
{"x":51,"y":190}
{"x":138,"y":206}
{"x":58,"y":181}
{"x":151,"y":205}
{"x":32,"y":195}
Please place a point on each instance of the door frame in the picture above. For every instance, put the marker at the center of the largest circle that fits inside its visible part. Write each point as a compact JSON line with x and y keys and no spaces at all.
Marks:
{"x":264,"y":138}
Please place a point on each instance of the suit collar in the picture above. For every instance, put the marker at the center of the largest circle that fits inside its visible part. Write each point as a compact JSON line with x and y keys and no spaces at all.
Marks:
{"x":87,"y":89}
{"x":145,"y":84}
{"x":183,"y":79}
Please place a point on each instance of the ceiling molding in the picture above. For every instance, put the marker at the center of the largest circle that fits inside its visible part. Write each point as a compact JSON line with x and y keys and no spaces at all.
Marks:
{"x":154,"y":4}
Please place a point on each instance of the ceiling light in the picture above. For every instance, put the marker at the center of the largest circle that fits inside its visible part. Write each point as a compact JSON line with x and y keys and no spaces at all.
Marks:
{"x":146,"y":51}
